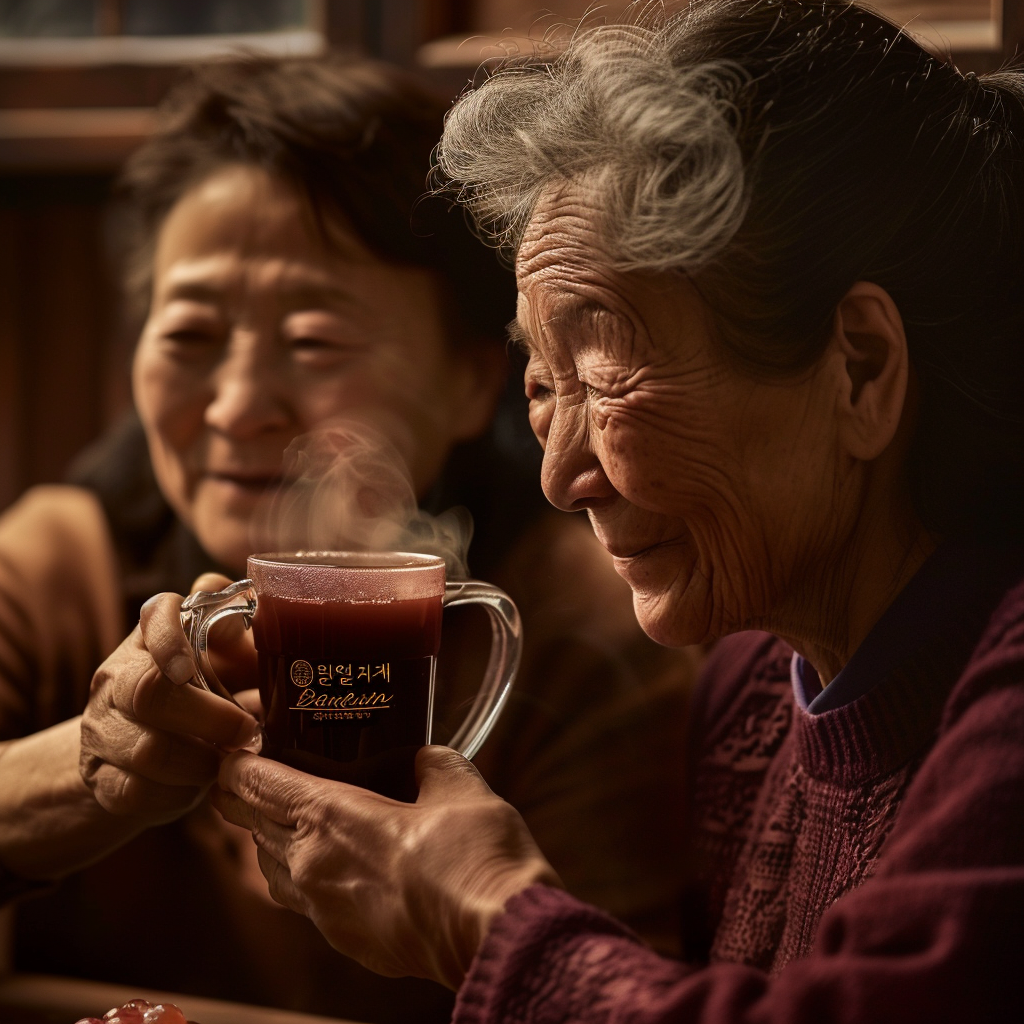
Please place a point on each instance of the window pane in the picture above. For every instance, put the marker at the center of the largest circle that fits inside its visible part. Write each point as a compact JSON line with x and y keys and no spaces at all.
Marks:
{"x":202,"y":17}
{"x":47,"y":18}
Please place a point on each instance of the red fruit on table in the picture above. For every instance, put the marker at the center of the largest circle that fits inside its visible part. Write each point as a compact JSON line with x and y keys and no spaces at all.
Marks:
{"x":165,"y":1013}
{"x":130,"y":1013}
{"x":140,"y":1011}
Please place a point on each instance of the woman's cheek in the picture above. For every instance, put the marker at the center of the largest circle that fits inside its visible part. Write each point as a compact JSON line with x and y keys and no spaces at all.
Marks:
{"x":540,"y":421}
{"x":159,"y":379}
{"x":634,"y":446}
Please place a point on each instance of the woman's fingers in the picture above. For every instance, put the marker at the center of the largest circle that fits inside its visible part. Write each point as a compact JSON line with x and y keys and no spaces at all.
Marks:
{"x":133,"y":768}
{"x":231,"y":648}
{"x":266,"y":786}
{"x":444,"y":774}
{"x":249,"y":700}
{"x":129,"y":683}
{"x":161,"y":757}
{"x":268,"y":834}
{"x":160,"y":626}
{"x":189,"y":711}
{"x":272,"y":838}
{"x":210,"y":582}
{"x":279,"y":882}
{"x":232,"y":807}
{"x":128,"y":794}
{"x":402,"y":888}
{"x":163,"y":653}
{"x":151,"y":745}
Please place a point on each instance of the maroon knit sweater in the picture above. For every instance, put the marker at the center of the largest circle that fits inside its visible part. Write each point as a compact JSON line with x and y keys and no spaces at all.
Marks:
{"x":862,"y":865}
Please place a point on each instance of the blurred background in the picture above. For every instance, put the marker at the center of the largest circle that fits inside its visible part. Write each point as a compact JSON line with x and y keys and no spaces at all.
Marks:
{"x":78,"y":83}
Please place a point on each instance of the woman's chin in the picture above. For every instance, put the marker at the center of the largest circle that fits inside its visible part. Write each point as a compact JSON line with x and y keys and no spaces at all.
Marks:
{"x":670,"y":596}
{"x":670,"y":620}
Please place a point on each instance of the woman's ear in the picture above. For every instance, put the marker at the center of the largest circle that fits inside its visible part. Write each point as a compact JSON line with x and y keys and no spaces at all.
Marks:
{"x":871,"y":345}
{"x":481,"y":371}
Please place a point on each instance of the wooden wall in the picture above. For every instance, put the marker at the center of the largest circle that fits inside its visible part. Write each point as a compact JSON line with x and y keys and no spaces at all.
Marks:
{"x":63,"y":366}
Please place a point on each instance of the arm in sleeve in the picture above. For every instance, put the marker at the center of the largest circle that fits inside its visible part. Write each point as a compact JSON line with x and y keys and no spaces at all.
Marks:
{"x":935,"y":935}
{"x":59,"y":618}
{"x":60,"y":612}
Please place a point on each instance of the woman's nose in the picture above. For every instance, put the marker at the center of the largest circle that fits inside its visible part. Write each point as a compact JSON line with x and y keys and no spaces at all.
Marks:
{"x":248,"y":393}
{"x":572,"y":476}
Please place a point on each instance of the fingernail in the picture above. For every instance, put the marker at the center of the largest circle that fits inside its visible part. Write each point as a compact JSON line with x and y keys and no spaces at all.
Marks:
{"x":250,"y":736}
{"x":180,"y":669}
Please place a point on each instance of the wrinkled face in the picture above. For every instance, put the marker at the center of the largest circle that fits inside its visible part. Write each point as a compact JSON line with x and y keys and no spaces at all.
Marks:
{"x":259,"y":332}
{"x":716,"y":492}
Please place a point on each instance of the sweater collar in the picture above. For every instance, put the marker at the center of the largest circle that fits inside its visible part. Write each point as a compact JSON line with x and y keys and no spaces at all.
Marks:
{"x":884,"y":706}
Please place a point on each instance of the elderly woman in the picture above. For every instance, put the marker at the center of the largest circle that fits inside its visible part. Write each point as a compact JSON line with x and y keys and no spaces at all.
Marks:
{"x":291,"y":275}
{"x":770,"y":259}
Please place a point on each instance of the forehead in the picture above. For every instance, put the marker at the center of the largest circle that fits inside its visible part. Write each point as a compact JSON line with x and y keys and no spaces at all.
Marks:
{"x":563,"y":240}
{"x":243,"y":211}
{"x":568,"y":283}
{"x":573,"y":297}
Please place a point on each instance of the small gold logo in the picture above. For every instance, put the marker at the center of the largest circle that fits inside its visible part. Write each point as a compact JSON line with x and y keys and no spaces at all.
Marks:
{"x":301,"y":673}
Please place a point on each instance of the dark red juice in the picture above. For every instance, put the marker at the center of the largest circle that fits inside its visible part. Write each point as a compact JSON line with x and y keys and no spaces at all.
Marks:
{"x":347,"y":686}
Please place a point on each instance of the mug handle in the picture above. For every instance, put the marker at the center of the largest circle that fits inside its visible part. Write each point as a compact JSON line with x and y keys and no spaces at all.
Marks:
{"x":203,"y":609}
{"x":506,"y":649}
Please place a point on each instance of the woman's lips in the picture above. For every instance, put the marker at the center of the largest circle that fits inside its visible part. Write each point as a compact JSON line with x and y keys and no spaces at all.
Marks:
{"x":653,"y":567}
{"x":623,"y":553}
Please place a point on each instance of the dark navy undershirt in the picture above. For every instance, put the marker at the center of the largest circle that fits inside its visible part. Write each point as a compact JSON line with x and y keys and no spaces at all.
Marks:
{"x":957,"y":579}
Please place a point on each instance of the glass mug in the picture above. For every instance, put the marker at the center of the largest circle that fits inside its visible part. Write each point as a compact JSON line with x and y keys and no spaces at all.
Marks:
{"x":347,"y":645}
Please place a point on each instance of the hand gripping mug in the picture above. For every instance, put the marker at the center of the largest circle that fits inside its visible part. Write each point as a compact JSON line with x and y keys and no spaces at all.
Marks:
{"x":347,"y":645}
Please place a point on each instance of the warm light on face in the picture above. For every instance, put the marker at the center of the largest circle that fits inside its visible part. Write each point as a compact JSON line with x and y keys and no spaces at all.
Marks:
{"x":711,"y":489}
{"x":259,"y":333}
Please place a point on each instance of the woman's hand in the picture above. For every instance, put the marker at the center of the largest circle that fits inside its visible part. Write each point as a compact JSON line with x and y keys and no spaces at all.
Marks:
{"x":150,"y":743}
{"x":405,"y":889}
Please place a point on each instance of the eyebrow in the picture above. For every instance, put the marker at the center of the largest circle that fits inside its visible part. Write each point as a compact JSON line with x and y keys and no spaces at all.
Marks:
{"x":195,"y":290}
{"x":298,"y":294}
{"x":573,"y":313}
{"x":518,"y":337}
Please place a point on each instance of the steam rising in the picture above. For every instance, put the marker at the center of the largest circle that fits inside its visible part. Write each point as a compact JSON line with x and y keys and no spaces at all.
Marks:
{"x":347,"y":488}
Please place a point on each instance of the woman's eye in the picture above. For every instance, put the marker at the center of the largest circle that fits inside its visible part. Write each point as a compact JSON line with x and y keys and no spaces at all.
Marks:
{"x":184,"y":325}
{"x":319,"y":337}
{"x":193,"y":342}
{"x":322,"y":352}
{"x":538,"y":391}
{"x":191,"y":336}
{"x":313,"y":344}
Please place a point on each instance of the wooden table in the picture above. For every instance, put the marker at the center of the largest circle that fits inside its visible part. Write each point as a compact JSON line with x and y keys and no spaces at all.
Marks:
{"x":40,"y":999}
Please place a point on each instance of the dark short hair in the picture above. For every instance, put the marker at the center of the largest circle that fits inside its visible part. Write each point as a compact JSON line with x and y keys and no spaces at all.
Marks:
{"x":777,"y":151}
{"x":873,"y":160}
{"x":353,"y":137}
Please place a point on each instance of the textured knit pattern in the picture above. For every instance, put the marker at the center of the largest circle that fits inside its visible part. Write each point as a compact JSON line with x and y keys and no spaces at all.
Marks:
{"x":863,"y":865}
{"x":807,"y":836}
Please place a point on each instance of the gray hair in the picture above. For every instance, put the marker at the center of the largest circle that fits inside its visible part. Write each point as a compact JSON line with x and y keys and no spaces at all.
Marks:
{"x":777,"y":151}
{"x":655,"y":139}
